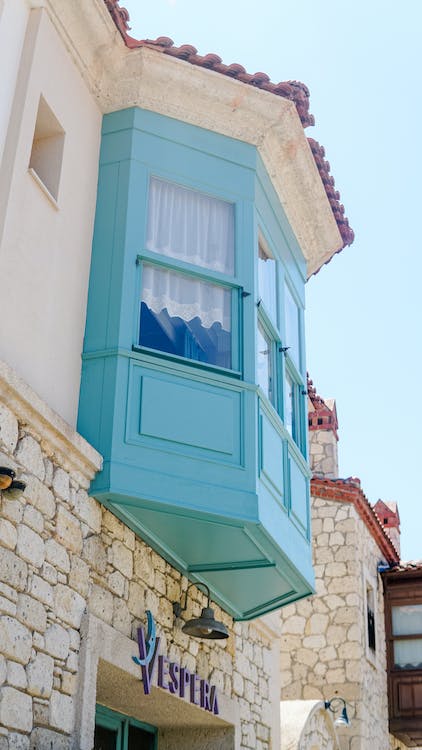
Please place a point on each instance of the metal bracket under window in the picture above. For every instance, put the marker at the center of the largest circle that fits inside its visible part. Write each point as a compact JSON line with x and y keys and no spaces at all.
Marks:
{"x":284,"y":349}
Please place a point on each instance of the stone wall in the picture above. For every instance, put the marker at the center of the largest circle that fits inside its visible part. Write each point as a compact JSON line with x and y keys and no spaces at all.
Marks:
{"x":323,"y":453}
{"x":324,"y":641}
{"x":63,"y":557}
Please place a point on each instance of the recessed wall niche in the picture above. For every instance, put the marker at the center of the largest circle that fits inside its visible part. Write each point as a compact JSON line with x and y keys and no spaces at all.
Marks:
{"x":47,"y":148}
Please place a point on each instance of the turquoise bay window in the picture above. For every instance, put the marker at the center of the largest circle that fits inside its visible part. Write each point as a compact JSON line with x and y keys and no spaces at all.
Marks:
{"x":183,"y":369}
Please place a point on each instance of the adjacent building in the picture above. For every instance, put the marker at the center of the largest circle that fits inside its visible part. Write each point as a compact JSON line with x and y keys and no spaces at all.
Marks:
{"x":160,"y":212}
{"x":403,"y":625}
{"x":365,"y":615}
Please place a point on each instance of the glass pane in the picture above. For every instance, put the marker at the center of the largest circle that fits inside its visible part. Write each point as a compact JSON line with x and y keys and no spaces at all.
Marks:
{"x":105,"y":739}
{"x":267,"y":289}
{"x":370,"y":617}
{"x":408,"y":654}
{"x":289,"y":412}
{"x":190,"y":226}
{"x":139,"y":739}
{"x":185,"y":316}
{"x":407,"y":620}
{"x":291,"y":312}
{"x":264,"y":367}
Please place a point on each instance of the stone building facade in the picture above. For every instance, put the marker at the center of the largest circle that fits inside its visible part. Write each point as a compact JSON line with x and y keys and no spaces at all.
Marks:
{"x":75,"y":585}
{"x":334,"y":644}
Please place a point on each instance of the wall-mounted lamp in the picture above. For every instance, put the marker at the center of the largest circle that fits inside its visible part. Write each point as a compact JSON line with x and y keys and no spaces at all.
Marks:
{"x":333,"y":706}
{"x":205,"y":626}
{"x":8,"y":481}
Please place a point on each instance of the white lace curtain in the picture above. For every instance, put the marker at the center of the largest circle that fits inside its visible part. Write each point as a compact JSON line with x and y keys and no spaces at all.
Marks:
{"x":190,"y":226}
{"x":186,"y":297}
{"x":197,"y":229}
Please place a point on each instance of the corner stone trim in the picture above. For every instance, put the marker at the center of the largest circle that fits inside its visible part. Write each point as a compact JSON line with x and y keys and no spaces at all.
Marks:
{"x":58,"y":439}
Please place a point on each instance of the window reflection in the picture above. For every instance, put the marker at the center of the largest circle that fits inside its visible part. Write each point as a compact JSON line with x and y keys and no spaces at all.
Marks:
{"x":105,"y":739}
{"x":139,"y":739}
{"x":264,"y":366}
{"x":408,"y":654}
{"x":289,"y":411}
{"x":185,"y":316}
{"x":292,"y":319}
{"x":407,"y":619}
{"x":267,"y":287}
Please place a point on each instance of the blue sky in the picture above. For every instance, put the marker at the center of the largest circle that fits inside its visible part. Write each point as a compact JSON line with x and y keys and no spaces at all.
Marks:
{"x":361,"y":61}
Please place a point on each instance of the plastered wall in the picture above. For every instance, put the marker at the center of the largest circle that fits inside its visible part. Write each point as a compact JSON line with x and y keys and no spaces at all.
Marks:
{"x":45,"y":245}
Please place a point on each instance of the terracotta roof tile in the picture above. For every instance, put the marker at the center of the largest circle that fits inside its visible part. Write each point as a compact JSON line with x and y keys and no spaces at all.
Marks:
{"x":414,"y":566}
{"x":293,"y":90}
{"x":322,"y":413}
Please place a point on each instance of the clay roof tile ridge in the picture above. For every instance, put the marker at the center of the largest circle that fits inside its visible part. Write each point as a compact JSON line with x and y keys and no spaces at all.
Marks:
{"x":295,"y":91}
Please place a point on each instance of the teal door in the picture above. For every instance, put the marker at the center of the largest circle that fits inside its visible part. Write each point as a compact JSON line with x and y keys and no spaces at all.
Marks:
{"x":114,"y":731}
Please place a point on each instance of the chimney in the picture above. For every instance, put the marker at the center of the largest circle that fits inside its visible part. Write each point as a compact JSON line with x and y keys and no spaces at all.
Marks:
{"x":388,"y":514}
{"x":323,"y":437}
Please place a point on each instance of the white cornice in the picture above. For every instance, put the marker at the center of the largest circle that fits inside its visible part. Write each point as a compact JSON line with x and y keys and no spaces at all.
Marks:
{"x":59,"y":441}
{"x":120,"y":78}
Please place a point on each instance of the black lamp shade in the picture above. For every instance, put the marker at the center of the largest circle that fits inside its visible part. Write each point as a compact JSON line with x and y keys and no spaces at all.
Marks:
{"x":206,"y":626}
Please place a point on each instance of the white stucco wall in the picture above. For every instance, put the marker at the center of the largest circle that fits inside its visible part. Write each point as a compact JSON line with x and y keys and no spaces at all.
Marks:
{"x":45,"y":249}
{"x":13,"y":16}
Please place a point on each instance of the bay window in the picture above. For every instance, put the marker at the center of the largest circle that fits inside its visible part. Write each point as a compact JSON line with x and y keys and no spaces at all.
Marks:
{"x":183,"y":367}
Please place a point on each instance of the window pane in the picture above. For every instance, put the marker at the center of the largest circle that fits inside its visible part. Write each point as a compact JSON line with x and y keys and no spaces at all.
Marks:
{"x":291,"y":312}
{"x":267,"y":282}
{"x":105,"y":739}
{"x":408,"y":654}
{"x":190,"y":226}
{"x":289,"y":411}
{"x":370,"y":617}
{"x":407,"y":620}
{"x":185,"y":316}
{"x":264,"y":366}
{"x":139,"y":739}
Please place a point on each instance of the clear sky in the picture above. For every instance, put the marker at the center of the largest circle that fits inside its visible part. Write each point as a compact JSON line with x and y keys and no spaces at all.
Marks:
{"x":361,"y":60}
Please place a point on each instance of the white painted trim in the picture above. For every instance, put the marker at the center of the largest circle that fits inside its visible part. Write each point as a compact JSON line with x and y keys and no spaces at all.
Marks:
{"x":43,"y":187}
